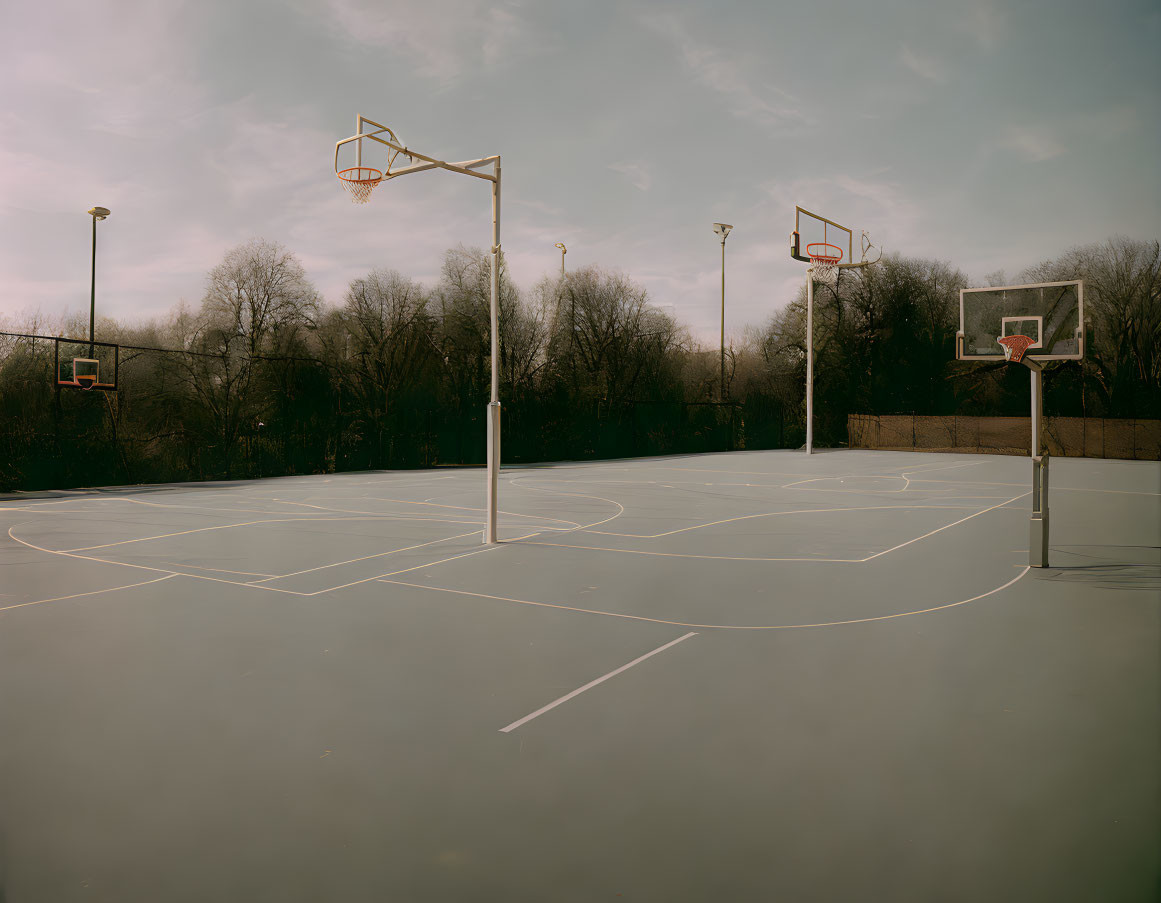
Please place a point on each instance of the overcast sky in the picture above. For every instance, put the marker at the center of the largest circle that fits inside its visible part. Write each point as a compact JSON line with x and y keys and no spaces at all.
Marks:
{"x":991,"y":135}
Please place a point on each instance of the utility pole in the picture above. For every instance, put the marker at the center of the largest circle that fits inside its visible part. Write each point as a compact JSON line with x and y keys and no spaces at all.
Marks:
{"x":723,"y":229}
{"x":97,"y":213}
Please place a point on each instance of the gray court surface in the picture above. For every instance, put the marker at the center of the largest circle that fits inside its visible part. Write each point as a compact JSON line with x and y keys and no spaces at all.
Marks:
{"x":800,"y":678}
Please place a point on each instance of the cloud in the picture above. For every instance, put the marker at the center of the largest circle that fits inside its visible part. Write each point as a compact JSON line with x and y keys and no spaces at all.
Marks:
{"x":1110,"y":122}
{"x":442,"y":38}
{"x":923,"y":66}
{"x":637,"y":173}
{"x":540,"y":207}
{"x":1035,"y":144}
{"x":715,"y":70}
{"x":986,"y":23}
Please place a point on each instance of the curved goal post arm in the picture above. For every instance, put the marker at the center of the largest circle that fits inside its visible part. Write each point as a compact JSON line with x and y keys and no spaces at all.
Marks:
{"x":866,"y":245}
{"x":395,"y":147}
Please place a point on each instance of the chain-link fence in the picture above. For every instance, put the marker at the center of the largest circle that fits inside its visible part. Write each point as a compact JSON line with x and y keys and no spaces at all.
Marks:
{"x":1087,"y":437}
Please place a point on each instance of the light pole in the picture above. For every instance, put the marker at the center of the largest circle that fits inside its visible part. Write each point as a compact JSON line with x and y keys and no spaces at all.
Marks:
{"x":97,"y":213}
{"x":360,"y":181}
{"x":563,"y":251}
{"x":723,"y":229}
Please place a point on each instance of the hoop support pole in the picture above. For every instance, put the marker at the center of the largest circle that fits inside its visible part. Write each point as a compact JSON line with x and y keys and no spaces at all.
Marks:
{"x":494,"y":402}
{"x":467,"y":168}
{"x":809,"y":360}
{"x":1038,"y":523}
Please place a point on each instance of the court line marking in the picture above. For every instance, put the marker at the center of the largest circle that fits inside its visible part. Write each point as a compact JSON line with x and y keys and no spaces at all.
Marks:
{"x":592,"y":683}
{"x":89,"y":593}
{"x":923,"y":468}
{"x":268,"y":577}
{"x":401,"y":480}
{"x":250,"y":523}
{"x":949,"y":526}
{"x":269,"y":589}
{"x":291,"y":520}
{"x":797,"y":484}
{"x":579,"y":495}
{"x":229,"y":510}
{"x":777,"y":513}
{"x":565,"y":545}
{"x":237,"y":510}
{"x":323,"y":567}
{"x":672,"y":623}
{"x":1054,"y":488}
{"x":201,"y":567}
{"x":428,"y":504}
{"x":417,"y":567}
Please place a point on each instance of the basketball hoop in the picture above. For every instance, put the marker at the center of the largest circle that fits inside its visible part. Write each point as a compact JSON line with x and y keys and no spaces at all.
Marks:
{"x":1015,"y":346}
{"x":824,"y":259}
{"x":360,"y":181}
{"x":85,"y":380}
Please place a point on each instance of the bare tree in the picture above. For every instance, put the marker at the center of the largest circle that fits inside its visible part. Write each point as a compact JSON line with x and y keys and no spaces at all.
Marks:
{"x":463,"y":298}
{"x":1123,"y":310}
{"x":257,"y":302}
{"x":608,"y":341}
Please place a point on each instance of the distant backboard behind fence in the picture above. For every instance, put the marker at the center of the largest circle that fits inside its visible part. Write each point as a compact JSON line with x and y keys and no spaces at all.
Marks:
{"x":87,"y":365}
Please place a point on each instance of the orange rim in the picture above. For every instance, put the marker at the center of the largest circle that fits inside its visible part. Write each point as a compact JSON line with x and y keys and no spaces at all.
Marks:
{"x":362,"y":175}
{"x":824,"y":257}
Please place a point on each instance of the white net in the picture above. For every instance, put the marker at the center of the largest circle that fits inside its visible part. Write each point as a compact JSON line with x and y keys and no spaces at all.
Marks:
{"x":824,"y":270}
{"x":360,"y":181}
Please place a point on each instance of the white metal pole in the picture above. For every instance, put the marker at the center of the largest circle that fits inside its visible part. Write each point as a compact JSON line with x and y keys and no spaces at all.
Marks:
{"x":1037,"y":410}
{"x":92,"y":290}
{"x":1038,"y":534}
{"x":722,"y":377}
{"x":810,"y":359}
{"x":494,"y":404}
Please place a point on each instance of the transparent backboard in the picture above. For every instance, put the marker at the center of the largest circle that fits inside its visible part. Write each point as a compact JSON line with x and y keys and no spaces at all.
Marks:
{"x":1050,"y":313}
{"x":814,"y":234}
{"x":81,"y":364}
{"x":811,"y":229}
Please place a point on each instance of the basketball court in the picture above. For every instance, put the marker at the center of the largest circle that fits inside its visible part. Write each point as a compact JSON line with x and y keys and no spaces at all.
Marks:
{"x":757,"y":675}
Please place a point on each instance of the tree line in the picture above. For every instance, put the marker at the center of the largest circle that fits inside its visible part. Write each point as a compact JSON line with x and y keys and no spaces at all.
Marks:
{"x":264,"y":377}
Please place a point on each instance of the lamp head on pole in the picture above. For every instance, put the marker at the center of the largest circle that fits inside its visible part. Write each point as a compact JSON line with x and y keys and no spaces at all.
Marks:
{"x":722,"y":229}
{"x":99,"y":212}
{"x":561,"y":247}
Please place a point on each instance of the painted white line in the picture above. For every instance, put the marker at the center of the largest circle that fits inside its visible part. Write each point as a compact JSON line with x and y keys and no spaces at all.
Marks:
{"x":567,"y":545}
{"x":729,"y":520}
{"x":177,"y":568}
{"x":924,"y":468}
{"x":292,"y":520}
{"x":90,"y":593}
{"x":947,"y":526}
{"x":974,"y":483}
{"x":1024,"y":569}
{"x":593,"y":683}
{"x":375,"y":498}
{"x":336,"y":564}
{"x":269,"y":589}
{"x":901,"y":545}
{"x":249,"y":523}
{"x":579,"y":495}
